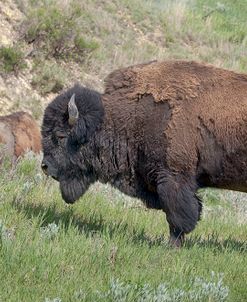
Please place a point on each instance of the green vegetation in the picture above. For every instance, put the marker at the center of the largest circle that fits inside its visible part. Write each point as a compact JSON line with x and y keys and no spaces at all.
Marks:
{"x":101,"y":36}
{"x":58,"y":31}
{"x":106,"y":249}
{"x":89,"y":39}
{"x":11,"y":59}
{"x":49,"y":77}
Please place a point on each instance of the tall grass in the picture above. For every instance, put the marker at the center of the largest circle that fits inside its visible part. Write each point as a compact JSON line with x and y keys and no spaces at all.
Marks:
{"x":106,"y":249}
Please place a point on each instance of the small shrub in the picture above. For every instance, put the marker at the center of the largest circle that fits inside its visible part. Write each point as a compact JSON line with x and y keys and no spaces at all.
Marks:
{"x":209,"y":290}
{"x":50,"y":231}
{"x":53,"y":300}
{"x":58,"y":31}
{"x":82,"y":45}
{"x":11,"y":59}
{"x":200,"y":290}
{"x":50,"y":77}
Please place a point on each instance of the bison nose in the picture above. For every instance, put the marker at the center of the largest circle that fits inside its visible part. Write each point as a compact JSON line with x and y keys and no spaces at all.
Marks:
{"x":44,"y":167}
{"x":49,"y":169}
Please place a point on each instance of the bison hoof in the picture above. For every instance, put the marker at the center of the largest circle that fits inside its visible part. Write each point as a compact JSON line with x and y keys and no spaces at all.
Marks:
{"x":176,"y":241}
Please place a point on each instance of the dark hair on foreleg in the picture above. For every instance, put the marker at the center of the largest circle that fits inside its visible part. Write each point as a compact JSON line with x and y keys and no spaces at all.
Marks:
{"x":178,"y":199}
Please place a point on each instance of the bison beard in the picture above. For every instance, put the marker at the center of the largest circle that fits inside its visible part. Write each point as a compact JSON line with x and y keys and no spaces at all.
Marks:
{"x":74,"y":183}
{"x":71,"y":190}
{"x":159,"y":132}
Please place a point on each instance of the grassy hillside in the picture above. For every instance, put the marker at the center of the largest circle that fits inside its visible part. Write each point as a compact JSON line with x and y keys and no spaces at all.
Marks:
{"x":49,"y":44}
{"x":108,"y":247}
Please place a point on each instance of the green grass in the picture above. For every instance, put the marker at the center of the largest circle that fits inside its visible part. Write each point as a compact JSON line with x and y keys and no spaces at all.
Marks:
{"x":103,"y":36}
{"x":49,"y":77}
{"x":107,"y":247}
{"x":11,"y":59}
{"x":102,"y":248}
{"x":89,"y":39}
{"x":58,"y":31}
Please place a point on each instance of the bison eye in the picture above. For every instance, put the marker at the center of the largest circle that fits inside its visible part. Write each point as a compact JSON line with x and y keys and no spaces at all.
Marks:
{"x":61,"y":134}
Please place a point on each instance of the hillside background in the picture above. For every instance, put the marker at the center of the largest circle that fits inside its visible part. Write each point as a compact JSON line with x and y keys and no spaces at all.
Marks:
{"x":108,"y":247}
{"x":47,"y":45}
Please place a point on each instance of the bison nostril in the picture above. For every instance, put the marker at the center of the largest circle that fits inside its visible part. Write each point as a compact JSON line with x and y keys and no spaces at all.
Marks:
{"x":44,"y":167}
{"x":49,"y":170}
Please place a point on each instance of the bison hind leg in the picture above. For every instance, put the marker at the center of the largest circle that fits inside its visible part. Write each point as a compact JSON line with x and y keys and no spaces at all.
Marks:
{"x":177,"y":194}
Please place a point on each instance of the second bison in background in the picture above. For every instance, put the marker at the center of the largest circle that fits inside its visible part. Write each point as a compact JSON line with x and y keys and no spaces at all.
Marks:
{"x":19,"y":133}
{"x":159,"y":132}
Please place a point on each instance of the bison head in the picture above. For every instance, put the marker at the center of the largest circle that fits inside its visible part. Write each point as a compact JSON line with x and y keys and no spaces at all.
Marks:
{"x":70,"y":123}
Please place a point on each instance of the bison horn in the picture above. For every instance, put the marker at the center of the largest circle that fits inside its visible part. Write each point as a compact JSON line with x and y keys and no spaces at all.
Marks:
{"x":73,"y":111}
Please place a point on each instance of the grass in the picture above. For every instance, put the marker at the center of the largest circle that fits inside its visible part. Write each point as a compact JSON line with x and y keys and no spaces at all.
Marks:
{"x":105,"y":36}
{"x":89,"y":39}
{"x":11,"y":59}
{"x":108,"y":247}
{"x":31,"y":104}
{"x":102,"y":248}
{"x":58,"y":31}
{"x":49,"y":77}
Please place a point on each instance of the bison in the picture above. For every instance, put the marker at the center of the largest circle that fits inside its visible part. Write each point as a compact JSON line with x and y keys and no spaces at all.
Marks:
{"x":159,"y":132}
{"x":19,"y":133}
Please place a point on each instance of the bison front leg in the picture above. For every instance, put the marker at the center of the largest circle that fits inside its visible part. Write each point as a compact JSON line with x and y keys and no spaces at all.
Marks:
{"x":177,"y":194}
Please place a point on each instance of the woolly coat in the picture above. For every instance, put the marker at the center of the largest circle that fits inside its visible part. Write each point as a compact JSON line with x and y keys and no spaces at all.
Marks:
{"x":185,"y":117}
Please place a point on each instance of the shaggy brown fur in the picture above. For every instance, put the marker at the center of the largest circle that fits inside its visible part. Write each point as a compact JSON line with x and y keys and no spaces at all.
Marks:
{"x":19,"y":132}
{"x":207,"y":126}
{"x":159,"y":132}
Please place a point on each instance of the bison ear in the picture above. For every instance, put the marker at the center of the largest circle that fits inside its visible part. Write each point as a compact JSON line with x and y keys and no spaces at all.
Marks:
{"x":85,"y":125}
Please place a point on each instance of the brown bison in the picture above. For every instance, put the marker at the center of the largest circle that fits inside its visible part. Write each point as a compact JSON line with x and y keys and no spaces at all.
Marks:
{"x":19,"y":133}
{"x":159,"y":132}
